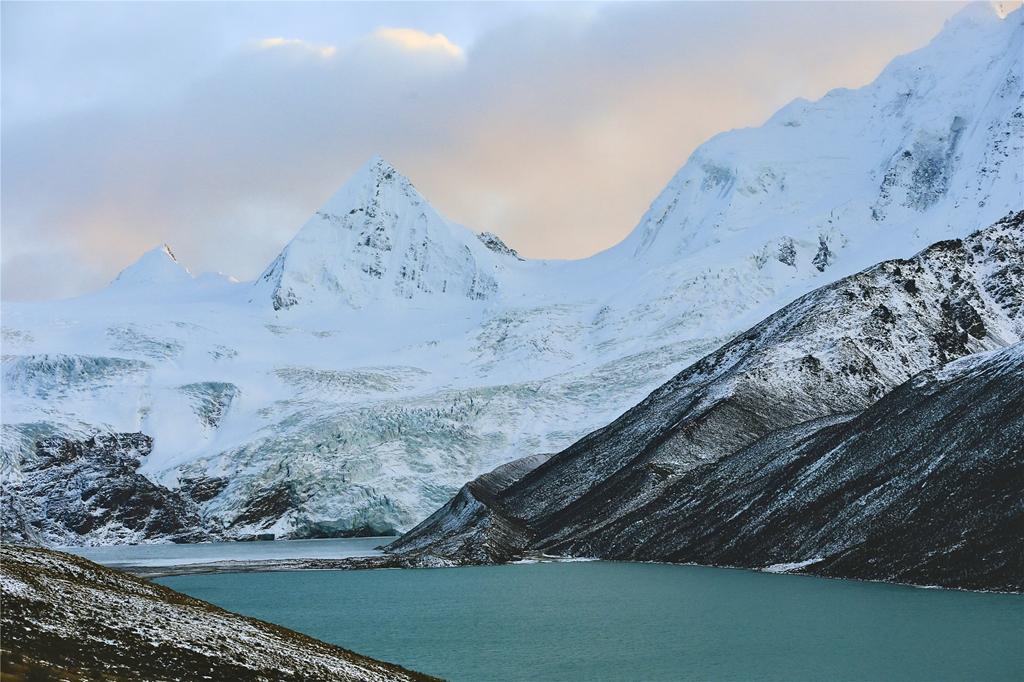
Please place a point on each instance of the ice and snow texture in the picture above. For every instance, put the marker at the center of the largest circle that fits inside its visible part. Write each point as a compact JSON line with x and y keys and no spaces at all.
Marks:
{"x":387,"y":355}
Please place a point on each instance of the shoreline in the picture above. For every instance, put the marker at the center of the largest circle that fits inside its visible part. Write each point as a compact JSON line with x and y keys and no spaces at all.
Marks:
{"x":386,"y":561}
{"x":363,"y":563}
{"x":263,"y":566}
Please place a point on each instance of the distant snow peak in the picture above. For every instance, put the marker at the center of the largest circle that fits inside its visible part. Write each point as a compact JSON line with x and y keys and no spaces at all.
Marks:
{"x":157,"y":266}
{"x":377,"y":239}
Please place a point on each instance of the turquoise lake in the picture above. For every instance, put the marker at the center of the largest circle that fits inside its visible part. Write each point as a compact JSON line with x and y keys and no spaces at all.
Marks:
{"x":620,"y":621}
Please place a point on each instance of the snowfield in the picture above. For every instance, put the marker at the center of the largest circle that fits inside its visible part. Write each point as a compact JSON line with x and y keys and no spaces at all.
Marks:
{"x":387,"y":355}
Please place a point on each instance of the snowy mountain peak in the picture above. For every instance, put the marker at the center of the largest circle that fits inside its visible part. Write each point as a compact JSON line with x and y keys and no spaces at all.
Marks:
{"x":377,"y":239}
{"x":387,"y":354}
{"x":934,"y":142}
{"x":158,"y":266}
{"x":979,"y":13}
{"x":364,"y":189}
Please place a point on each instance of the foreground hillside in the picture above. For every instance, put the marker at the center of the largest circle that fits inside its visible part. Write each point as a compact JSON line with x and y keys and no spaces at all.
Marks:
{"x":824,"y":439}
{"x":68,"y":618}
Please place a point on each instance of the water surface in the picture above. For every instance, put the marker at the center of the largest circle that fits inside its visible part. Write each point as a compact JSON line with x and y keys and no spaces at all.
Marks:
{"x":620,"y":621}
{"x":209,"y":552}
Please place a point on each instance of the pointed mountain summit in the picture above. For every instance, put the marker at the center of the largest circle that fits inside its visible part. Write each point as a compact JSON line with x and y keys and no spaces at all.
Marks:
{"x":156,"y":267}
{"x":378,"y":239}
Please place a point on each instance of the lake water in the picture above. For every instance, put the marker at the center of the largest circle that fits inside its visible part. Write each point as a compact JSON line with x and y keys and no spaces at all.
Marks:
{"x":619,"y":621}
{"x":209,"y":552}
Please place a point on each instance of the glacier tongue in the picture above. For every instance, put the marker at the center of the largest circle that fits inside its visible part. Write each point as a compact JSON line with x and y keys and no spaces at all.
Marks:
{"x":388,"y":355}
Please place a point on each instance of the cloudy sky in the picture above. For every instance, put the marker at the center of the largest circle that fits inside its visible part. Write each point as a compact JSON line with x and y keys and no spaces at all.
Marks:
{"x":218,"y":128}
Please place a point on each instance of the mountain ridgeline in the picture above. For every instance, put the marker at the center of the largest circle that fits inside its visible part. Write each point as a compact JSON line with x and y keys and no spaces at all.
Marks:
{"x":388,"y":355}
{"x":872,"y":429}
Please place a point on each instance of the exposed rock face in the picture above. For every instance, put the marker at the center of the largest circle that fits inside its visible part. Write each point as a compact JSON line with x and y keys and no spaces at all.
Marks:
{"x":68,"y":618}
{"x":925,"y":487}
{"x":787,"y":252}
{"x":829,"y":355}
{"x":492,"y":535}
{"x":495,"y":243}
{"x":91,"y":491}
{"x":92,"y":488}
{"x":824,"y":256}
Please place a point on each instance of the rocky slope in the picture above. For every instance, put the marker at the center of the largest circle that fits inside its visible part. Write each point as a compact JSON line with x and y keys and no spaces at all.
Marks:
{"x":68,"y":618}
{"x":675,"y":477}
{"x":924,"y":487}
{"x":387,"y":356}
{"x":92,"y":487}
{"x":472,"y":528}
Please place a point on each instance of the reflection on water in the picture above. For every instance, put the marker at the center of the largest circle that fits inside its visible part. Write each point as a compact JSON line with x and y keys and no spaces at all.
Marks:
{"x":173,"y":555}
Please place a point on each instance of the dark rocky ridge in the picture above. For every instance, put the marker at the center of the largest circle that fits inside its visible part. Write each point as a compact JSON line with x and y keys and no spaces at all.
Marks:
{"x":79,"y":490}
{"x":474,"y":507}
{"x":93,"y":486}
{"x":924,"y":487}
{"x":829,"y":355}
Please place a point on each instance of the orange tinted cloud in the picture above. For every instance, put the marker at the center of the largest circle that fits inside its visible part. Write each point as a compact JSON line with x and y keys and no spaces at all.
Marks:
{"x":554,"y":129}
{"x":418,"y":41}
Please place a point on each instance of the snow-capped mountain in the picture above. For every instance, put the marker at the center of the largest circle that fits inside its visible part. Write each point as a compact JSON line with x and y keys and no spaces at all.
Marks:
{"x":387,"y":355}
{"x":925,"y":149}
{"x":157,"y":267}
{"x":825,"y":438}
{"x":378,"y":239}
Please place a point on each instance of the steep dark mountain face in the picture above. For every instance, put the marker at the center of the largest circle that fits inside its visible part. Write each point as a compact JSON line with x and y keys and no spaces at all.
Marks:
{"x":807,"y":369}
{"x":92,"y":487}
{"x":471,"y":526}
{"x":923,"y":487}
{"x":84,"y":490}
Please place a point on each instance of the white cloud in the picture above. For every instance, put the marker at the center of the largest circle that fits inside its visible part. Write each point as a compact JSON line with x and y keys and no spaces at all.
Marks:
{"x":325,"y":51}
{"x":417,"y":41}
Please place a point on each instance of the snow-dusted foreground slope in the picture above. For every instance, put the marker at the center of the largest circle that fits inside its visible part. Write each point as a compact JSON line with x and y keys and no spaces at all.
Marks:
{"x":822,"y":438}
{"x":68,"y":618}
{"x":387,"y":355}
